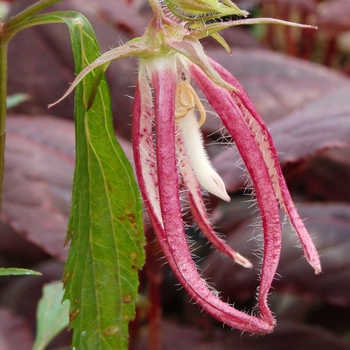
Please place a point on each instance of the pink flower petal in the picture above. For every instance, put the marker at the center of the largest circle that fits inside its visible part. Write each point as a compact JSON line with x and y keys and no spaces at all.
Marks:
{"x":172,"y":237}
{"x":169,"y":228}
{"x":234,"y":121}
{"x":269,"y":152}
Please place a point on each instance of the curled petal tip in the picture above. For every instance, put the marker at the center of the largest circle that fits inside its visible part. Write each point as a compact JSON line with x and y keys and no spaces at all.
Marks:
{"x":218,"y":187}
{"x":316,"y":265}
{"x":313,"y":258}
{"x":241,"y":260}
{"x":206,"y":175}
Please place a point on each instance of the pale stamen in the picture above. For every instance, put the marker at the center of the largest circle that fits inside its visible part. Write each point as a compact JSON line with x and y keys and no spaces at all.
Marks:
{"x":206,"y":175}
{"x":185,"y":103}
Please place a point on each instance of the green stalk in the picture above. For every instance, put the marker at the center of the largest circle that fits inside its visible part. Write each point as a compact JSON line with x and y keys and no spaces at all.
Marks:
{"x":34,"y":21}
{"x":7,"y":31}
{"x":3,"y":93}
{"x":28,"y":12}
{"x":156,"y":8}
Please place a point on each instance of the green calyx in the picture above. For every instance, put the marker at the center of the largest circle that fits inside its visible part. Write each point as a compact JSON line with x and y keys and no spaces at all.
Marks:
{"x":197,"y":13}
{"x":194,"y":10}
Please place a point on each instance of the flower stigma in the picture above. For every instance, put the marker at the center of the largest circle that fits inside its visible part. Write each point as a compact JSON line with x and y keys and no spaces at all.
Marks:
{"x":189,"y":128}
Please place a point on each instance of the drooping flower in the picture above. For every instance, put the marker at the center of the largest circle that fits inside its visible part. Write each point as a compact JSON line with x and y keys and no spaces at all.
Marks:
{"x":168,"y":153}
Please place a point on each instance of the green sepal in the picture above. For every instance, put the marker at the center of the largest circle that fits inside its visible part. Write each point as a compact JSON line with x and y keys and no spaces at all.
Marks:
{"x":193,"y":10}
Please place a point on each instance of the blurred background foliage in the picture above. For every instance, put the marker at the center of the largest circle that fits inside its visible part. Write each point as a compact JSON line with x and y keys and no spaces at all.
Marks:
{"x":298,"y":79}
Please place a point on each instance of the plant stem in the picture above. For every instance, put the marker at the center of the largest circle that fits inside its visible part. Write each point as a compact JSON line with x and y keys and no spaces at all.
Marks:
{"x":3,"y":94}
{"x":7,"y":31}
{"x":156,"y":8}
{"x":34,"y":21}
{"x":29,"y":11}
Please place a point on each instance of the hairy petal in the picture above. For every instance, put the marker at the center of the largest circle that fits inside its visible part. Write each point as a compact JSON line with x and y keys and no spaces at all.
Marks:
{"x":143,"y":119}
{"x":234,"y":121}
{"x":171,"y":234}
{"x":192,"y":50}
{"x":269,"y":153}
{"x":132,"y":48}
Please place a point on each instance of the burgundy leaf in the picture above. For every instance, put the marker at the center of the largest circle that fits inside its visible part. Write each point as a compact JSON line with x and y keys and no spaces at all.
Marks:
{"x":39,"y":166}
{"x":49,"y":68}
{"x":42,"y":76}
{"x":123,"y":15}
{"x":14,"y":332}
{"x":287,"y":336}
{"x":329,"y":226}
{"x":324,"y":177}
{"x":290,"y":336}
{"x":38,"y":177}
{"x":277,"y":84}
{"x":16,"y":250}
{"x":318,"y":126}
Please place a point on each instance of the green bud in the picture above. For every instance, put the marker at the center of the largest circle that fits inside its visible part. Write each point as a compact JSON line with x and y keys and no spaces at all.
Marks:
{"x":203,"y":9}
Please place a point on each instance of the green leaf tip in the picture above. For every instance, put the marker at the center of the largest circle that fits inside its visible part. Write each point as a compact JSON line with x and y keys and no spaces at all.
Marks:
{"x":52,"y":315}
{"x":13,"y":271}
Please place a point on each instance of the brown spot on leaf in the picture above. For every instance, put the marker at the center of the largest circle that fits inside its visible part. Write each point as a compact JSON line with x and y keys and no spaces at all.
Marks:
{"x":66,"y":277}
{"x":130,"y":215}
{"x":73,"y":315}
{"x":111,"y":331}
{"x":127,"y":298}
{"x":134,"y":257}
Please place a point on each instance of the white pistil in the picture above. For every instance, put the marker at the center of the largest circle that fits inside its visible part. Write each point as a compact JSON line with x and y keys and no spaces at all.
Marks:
{"x":206,"y":175}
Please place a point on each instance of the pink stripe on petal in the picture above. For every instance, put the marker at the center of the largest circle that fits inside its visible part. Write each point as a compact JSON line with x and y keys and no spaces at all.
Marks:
{"x":173,"y":240}
{"x":138,"y":132}
{"x":231,"y":116}
{"x":268,"y":149}
{"x":143,"y":144}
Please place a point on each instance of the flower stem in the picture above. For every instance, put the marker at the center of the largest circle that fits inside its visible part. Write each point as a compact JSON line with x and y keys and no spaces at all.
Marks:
{"x":29,"y":11}
{"x":3,"y":94}
{"x":156,"y":8}
{"x":7,"y":31}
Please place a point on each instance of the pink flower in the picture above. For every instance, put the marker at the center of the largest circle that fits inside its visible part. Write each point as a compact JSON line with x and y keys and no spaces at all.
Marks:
{"x":169,"y":157}
{"x":168,"y":150}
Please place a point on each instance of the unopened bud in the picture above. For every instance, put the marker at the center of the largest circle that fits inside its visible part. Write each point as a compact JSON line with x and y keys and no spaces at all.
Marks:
{"x":187,"y":9}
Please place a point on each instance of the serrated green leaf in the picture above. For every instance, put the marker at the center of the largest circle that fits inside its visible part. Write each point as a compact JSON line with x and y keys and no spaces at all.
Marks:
{"x":52,"y":315}
{"x":105,"y":225}
{"x":13,"y":271}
